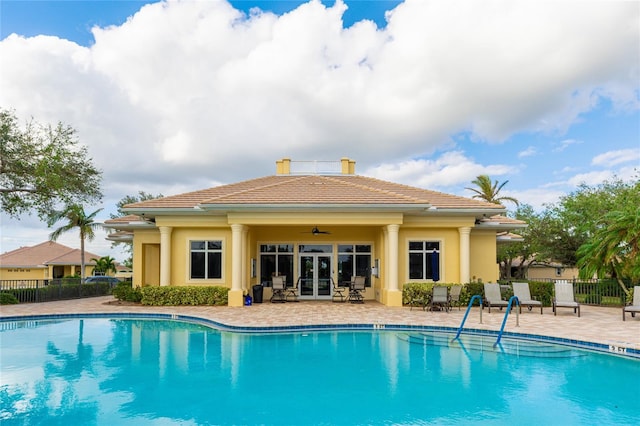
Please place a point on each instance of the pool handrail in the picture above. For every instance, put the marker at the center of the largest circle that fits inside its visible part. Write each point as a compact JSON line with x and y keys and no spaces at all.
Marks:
{"x":474,"y":297}
{"x":506,"y":314}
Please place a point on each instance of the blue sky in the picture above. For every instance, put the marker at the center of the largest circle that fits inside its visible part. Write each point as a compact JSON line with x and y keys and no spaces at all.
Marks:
{"x":431,"y":94}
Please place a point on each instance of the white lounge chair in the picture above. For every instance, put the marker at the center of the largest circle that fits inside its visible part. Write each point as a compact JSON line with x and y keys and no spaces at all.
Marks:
{"x":521,"y":291}
{"x":564,"y":297}
{"x":635,"y":306}
{"x":492,"y":296}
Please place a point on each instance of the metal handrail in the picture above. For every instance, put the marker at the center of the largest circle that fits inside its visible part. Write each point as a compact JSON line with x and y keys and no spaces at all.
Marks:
{"x":474,"y":297}
{"x":506,"y":314}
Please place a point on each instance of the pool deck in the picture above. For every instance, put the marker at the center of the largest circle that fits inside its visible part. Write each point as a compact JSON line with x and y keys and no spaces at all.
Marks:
{"x":597,"y":324}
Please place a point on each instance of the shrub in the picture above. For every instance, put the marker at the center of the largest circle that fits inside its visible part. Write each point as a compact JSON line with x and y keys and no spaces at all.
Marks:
{"x":542,"y":291}
{"x":185,"y":295}
{"x":124,"y":291}
{"x":8,"y":299}
{"x":421,"y":291}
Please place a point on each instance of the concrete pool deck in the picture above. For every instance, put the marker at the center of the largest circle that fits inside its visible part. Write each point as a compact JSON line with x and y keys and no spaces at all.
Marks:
{"x":597,"y":324}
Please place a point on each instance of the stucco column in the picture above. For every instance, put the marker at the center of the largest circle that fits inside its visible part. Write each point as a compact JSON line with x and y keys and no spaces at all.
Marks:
{"x":165,"y":255}
{"x":235,"y":294}
{"x":394,"y":296}
{"x":244,"y":267}
{"x":464,"y":253}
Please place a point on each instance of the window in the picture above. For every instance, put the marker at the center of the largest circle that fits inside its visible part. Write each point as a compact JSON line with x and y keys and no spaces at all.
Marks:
{"x":424,"y":260}
{"x":276,"y":259}
{"x":206,"y":260}
{"x":354,"y":260}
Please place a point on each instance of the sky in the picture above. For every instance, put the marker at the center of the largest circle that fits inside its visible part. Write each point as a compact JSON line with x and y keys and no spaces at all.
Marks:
{"x":176,"y":96}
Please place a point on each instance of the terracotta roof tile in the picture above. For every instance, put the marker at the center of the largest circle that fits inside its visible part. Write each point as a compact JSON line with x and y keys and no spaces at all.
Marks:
{"x":315,"y":189}
{"x":48,"y":252}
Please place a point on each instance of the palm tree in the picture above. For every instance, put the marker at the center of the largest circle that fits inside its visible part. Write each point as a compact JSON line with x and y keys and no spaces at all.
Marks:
{"x":105,"y":265}
{"x":489,"y":191}
{"x":76,"y":218}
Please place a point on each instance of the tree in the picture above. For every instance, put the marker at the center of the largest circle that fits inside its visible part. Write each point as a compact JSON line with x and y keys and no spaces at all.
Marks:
{"x":105,"y":265}
{"x":614,"y":249}
{"x":76,"y":218}
{"x":43,"y":167}
{"x":488,"y":191}
{"x":523,"y":251}
{"x":580,"y":217}
{"x":130,"y":199}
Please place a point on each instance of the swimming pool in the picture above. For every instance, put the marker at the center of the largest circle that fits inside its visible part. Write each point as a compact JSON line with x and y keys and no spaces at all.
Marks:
{"x":140,"y":371}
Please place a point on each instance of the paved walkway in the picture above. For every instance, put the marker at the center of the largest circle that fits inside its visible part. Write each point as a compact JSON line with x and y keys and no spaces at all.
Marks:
{"x":596,"y":324}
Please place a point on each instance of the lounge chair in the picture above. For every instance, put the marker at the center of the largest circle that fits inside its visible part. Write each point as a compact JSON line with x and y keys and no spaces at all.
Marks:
{"x":635,"y":306}
{"x":454,"y":295}
{"x":564,"y":297}
{"x":492,"y":296}
{"x":440,"y":298}
{"x":521,"y":291}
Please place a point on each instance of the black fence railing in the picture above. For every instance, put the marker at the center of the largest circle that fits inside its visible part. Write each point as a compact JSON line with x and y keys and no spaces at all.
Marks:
{"x":33,"y":291}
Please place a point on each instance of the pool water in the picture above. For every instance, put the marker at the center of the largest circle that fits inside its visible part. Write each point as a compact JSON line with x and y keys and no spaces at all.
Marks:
{"x":121,"y":371}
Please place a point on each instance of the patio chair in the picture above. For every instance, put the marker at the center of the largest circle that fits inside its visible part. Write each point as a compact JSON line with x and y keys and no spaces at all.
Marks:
{"x":492,"y":296}
{"x":521,"y":291}
{"x":278,"y":287}
{"x":355,"y":293}
{"x":292,"y":292}
{"x":338,"y":292}
{"x":564,"y":297}
{"x":635,"y":306}
{"x":440,"y":298}
{"x":454,"y":295}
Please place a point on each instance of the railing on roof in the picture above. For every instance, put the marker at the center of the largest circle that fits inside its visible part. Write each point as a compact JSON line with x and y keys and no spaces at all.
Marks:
{"x":316,"y":167}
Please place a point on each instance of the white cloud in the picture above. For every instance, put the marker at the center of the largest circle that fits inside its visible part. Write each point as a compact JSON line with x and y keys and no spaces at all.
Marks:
{"x":449,"y":170}
{"x":614,"y":158}
{"x":186,"y":94}
{"x":531,"y":150}
{"x":565,"y":144}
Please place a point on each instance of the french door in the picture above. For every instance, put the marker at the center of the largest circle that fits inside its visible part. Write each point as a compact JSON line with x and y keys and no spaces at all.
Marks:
{"x":315,"y":274}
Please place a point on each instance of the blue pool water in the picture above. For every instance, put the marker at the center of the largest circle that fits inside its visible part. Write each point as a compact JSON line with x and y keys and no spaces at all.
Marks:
{"x":123,"y":371}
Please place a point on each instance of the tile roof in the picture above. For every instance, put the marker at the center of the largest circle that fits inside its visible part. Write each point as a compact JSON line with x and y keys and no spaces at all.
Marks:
{"x":314,"y":189}
{"x":46,"y":253}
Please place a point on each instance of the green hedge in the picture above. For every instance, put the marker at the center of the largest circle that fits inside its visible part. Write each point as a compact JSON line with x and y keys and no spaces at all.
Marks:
{"x":188,"y":295}
{"x":420,"y":291}
{"x":126,"y":292}
{"x":8,"y":299}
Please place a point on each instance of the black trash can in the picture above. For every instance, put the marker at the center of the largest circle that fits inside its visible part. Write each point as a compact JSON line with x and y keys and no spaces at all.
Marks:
{"x":257,"y":293}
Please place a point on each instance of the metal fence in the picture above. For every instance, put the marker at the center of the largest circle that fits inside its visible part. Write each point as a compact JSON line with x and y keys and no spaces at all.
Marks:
{"x":31,"y":291}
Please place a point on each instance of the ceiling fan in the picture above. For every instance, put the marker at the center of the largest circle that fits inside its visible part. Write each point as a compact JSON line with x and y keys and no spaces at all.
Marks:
{"x":316,"y":231}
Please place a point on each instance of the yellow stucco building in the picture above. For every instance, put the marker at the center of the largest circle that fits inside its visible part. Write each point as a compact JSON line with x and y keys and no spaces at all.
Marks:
{"x":316,"y":223}
{"x":44,"y":261}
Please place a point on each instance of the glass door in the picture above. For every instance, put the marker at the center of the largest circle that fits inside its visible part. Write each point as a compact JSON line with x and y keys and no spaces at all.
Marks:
{"x":315,"y":276}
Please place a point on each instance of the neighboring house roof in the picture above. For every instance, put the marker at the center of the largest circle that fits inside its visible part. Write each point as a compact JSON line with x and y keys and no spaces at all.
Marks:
{"x":43,"y":254}
{"x":295,"y":191}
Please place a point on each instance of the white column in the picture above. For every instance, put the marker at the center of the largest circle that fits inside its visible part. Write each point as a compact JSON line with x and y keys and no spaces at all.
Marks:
{"x":165,"y":255}
{"x":392,"y":264}
{"x":464,"y":253}
{"x":236,"y":256}
{"x":244,"y":268}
